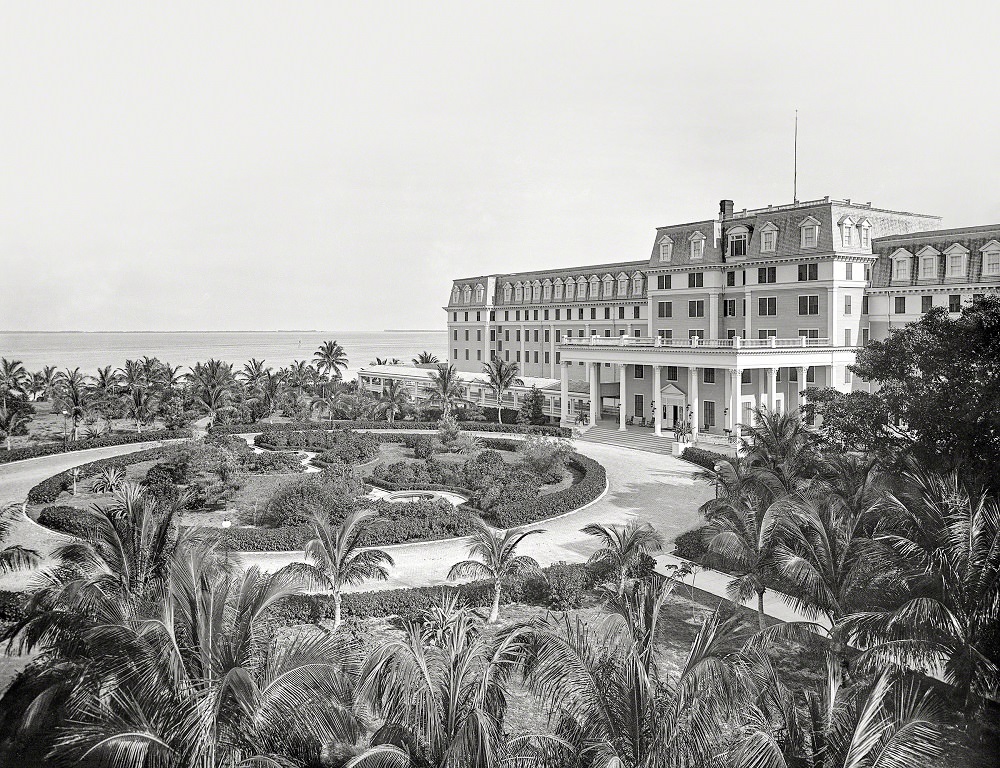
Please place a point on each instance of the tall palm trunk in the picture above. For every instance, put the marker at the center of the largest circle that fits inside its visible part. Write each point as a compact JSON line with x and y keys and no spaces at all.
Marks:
{"x":495,"y":611}
{"x":337,"y":597}
{"x":499,"y":407}
{"x":760,"y":610}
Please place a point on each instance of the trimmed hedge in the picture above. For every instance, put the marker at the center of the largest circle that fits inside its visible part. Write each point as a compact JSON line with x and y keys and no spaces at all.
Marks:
{"x":590,"y":486}
{"x":64,"y":519}
{"x":432,"y":426}
{"x":49,"y":489}
{"x":126,"y":438}
{"x":561,"y":583}
{"x":703,"y":458}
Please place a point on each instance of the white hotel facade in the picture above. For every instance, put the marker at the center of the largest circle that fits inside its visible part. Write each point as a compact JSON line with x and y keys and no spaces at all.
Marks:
{"x":745,"y":309}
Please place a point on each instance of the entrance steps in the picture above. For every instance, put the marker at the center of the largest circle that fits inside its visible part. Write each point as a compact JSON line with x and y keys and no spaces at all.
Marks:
{"x":637,"y":438}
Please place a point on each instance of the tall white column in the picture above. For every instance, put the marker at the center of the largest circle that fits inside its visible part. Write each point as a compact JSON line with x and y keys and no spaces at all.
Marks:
{"x":772,"y":386}
{"x":713,"y":315}
{"x":800,"y":387}
{"x":552,"y":351}
{"x":622,"y":396}
{"x":595,"y":391}
{"x":657,"y":405}
{"x":524,"y":351}
{"x":693,"y":404}
{"x":486,"y":342}
{"x":735,"y":400}
{"x":564,"y":393}
{"x":748,"y":301}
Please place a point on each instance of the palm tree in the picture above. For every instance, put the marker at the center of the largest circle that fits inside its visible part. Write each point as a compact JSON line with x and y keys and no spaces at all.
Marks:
{"x":140,"y":406}
{"x":74,"y":396}
{"x":379,"y":361}
{"x":331,"y":397}
{"x":607,"y":697}
{"x":10,"y":421}
{"x":47,"y":376}
{"x":331,"y":359}
{"x":496,"y":561}
{"x":393,"y":401}
{"x":253,"y":373}
{"x":781,"y":444}
{"x":13,"y":379}
{"x":502,"y":376}
{"x":445,"y":388}
{"x":426,"y":358}
{"x":887,"y":723}
{"x":442,"y":697}
{"x":623,"y":546}
{"x":337,"y":560}
{"x":739,"y":527}
{"x":213,"y":385}
{"x":14,"y":557}
{"x":945,"y":545}
{"x":270,"y":392}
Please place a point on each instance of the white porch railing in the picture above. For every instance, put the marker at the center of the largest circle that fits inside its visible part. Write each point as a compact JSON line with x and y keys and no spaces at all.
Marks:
{"x":734,"y":343}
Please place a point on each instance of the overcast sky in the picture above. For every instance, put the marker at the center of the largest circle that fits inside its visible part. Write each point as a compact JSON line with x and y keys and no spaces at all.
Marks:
{"x":334,"y":165}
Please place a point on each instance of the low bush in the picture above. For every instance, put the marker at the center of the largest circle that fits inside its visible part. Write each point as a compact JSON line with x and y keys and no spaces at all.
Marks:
{"x":284,"y":539}
{"x":421,"y":445}
{"x":12,"y":605}
{"x":703,"y":458}
{"x":693,"y":545}
{"x":274,"y":462}
{"x":430,"y":426}
{"x":566,"y":585}
{"x":69,"y":520}
{"x":591,"y":485}
{"x":123,"y":438}
{"x":330,"y":492}
{"x":333,"y":446}
{"x":422,"y":520}
{"x":49,"y":489}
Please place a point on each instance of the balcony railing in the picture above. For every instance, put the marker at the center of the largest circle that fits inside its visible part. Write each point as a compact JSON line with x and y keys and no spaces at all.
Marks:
{"x":736,"y":343}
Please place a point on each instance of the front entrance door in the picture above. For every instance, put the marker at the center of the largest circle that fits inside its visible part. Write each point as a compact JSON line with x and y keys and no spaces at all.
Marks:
{"x":639,"y":412}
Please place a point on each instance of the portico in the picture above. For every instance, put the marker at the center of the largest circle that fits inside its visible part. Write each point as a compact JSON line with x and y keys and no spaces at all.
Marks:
{"x":703,"y":385}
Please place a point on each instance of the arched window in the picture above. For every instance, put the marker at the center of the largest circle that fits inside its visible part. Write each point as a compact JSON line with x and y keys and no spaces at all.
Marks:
{"x":518,"y":292}
{"x":558,"y":285}
{"x":737,"y":240}
{"x":455,"y":293}
{"x":570,"y":288}
{"x":581,"y":287}
{"x":507,"y":290}
{"x":467,"y":294}
{"x":547,"y":289}
{"x":480,"y":293}
{"x":595,"y":287}
{"x":666,"y":248}
{"x":536,"y":291}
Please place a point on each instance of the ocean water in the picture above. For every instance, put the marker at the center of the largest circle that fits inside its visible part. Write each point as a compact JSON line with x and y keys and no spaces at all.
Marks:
{"x":92,"y":350}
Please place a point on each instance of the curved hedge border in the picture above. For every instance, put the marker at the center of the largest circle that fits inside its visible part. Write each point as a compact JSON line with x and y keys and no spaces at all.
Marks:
{"x":51,"y":449}
{"x":49,"y":489}
{"x":590,"y":487}
{"x":431,"y":426}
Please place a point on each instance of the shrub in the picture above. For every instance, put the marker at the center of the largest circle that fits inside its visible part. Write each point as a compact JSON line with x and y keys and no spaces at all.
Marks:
{"x":545,"y":457}
{"x":69,"y":520}
{"x":418,"y":520}
{"x":422,"y":445}
{"x":566,"y":585}
{"x":108,"y":480}
{"x":329,"y":492}
{"x":703,"y":458}
{"x":693,"y":545}
{"x":591,"y":485}
{"x":49,"y":489}
{"x":283,"y":539}
{"x":12,"y":605}
{"x":333,"y":446}
{"x":123,"y":438}
{"x":274,"y":462}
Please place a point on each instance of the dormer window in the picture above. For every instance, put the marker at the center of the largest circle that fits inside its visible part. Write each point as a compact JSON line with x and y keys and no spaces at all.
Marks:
{"x":581,"y":288}
{"x":507,"y":290}
{"x":865,"y":230}
{"x":956,"y":261}
{"x":666,"y":248}
{"x":768,"y":238}
{"x":608,"y":283}
{"x":536,"y":291}
{"x":455,"y":293}
{"x":570,"y":288}
{"x":623,"y":284}
{"x":737,"y":246}
{"x":928,"y":261}
{"x":480,"y":293}
{"x":595,"y":287}
{"x":809,"y":233}
{"x":547,"y":290}
{"x":558,"y":288}
{"x":637,"y":284}
{"x":697,"y":241}
{"x":901,"y":261}
{"x":991,"y":259}
{"x":467,"y":294}
{"x":518,"y":292}
{"x":847,"y":231}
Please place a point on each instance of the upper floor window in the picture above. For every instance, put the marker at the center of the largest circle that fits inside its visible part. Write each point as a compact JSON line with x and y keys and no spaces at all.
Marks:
{"x":809,"y":232}
{"x":455,"y":293}
{"x":696,"y":279}
{"x":928,"y":262}
{"x":467,"y":294}
{"x":595,"y":287}
{"x":666,"y":248}
{"x":847,"y":231}
{"x":662,"y":282}
{"x":547,"y":290}
{"x":637,"y":284}
{"x":581,"y":287}
{"x":738,"y":237}
{"x":768,"y":238}
{"x":518,"y":292}
{"x":697,"y":246}
{"x":808,"y":272}
{"x":536,"y":291}
{"x":991,"y":258}
{"x":623,"y":285}
{"x":865,"y":228}
{"x":901,"y":260}
{"x":480,"y":292}
{"x":767,"y":275}
{"x":558,"y":286}
{"x":608,"y":283}
{"x":957,"y":260}
{"x":507,"y":289}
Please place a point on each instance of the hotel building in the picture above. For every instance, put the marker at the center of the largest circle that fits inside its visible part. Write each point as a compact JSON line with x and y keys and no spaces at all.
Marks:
{"x":745,"y":309}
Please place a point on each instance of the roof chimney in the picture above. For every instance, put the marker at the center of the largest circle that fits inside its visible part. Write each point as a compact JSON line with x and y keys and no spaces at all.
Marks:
{"x":725,"y":209}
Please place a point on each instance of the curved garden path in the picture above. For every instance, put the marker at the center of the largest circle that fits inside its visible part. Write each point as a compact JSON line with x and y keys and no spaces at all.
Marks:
{"x":651,"y":487}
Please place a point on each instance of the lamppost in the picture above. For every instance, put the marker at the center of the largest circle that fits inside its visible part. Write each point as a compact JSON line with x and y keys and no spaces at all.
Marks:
{"x":226,"y":524}
{"x":65,"y":415}
{"x":717,"y":468}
